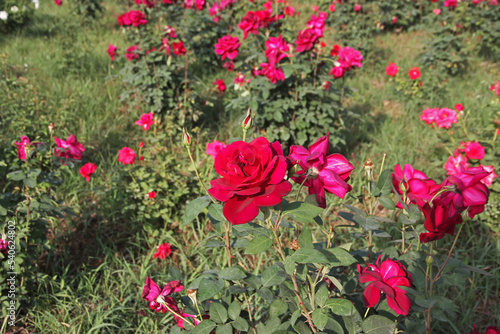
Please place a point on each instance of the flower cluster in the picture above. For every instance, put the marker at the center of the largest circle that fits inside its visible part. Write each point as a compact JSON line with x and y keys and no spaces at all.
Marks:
{"x":253,"y":175}
{"x":276,"y":48}
{"x":134,"y":18}
{"x":311,"y":35}
{"x":443,"y":117}
{"x":443,"y":204}
{"x":348,"y":58}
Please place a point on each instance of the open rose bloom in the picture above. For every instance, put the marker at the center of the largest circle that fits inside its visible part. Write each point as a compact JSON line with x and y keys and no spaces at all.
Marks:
{"x":252,"y":175}
{"x":387,"y":277}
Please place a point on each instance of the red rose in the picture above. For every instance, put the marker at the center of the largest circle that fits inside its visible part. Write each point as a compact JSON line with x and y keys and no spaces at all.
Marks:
{"x":306,"y":40}
{"x":252,"y":176}
{"x":227,"y":46}
{"x":414,"y":73}
{"x":439,"y":220}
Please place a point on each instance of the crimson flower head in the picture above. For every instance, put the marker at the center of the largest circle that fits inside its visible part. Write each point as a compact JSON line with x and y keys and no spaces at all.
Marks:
{"x":488,"y":181}
{"x":87,"y":170}
{"x":445,"y":118}
{"x":276,"y":48}
{"x":160,"y":298}
{"x":229,"y":65}
{"x":130,"y":53}
{"x":335,"y":50}
{"x":357,"y":8}
{"x":439,"y":220}
{"x":387,"y":277}
{"x":414,"y":73}
{"x":489,"y":330}
{"x":69,"y":148}
{"x":349,"y":57}
{"x":321,"y":172}
{"x":467,"y":190}
{"x":221,"y":85}
{"x":147,"y":3}
{"x":273,"y":73}
{"x":414,"y":183}
{"x":456,"y":163}
{"x":152,"y":194}
{"x":252,"y":175}
{"x":459,"y":107}
{"x":163,"y":251}
{"x":179,"y":48}
{"x":253,"y":21}
{"x":214,"y":148}
{"x":473,"y":150}
{"x":4,"y":246}
{"x":227,"y":47}
{"x":146,"y":121}
{"x":112,"y":51}
{"x":133,"y":17}
{"x":306,"y":40}
{"x":21,"y":147}
{"x":126,"y":156}
{"x":429,"y":115}
{"x":451,"y":3}
{"x":58,"y":2}
{"x":392,"y":69}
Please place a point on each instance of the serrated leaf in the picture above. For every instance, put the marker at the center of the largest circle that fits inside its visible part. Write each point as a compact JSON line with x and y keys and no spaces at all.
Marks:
{"x":240,"y":324}
{"x":194,"y":208}
{"x":302,"y":212}
{"x":17,"y":175}
{"x":342,"y":257}
{"x":204,"y":327}
{"x":234,"y":310}
{"x":377,"y":324}
{"x":209,"y":288}
{"x":258,"y":245}
{"x":232,"y":273}
{"x":305,"y":238}
{"x":308,"y":255}
{"x":319,"y":318}
{"x":215,"y":210}
{"x":272,"y":276}
{"x":218,"y":313}
{"x":224,"y":329}
{"x":384,"y":184}
{"x":342,"y":307}
{"x":29,"y":182}
{"x":387,"y":203}
{"x":321,"y":295}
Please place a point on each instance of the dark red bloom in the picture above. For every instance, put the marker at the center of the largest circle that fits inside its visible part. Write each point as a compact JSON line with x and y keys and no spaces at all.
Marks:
{"x":179,"y":48}
{"x":439,"y":220}
{"x":306,"y":40}
{"x":387,"y":277}
{"x":160,"y":299}
{"x":87,"y":170}
{"x":133,"y":17}
{"x":252,"y":175}
{"x":256,"y":20}
{"x":227,"y":46}
{"x":335,"y":50}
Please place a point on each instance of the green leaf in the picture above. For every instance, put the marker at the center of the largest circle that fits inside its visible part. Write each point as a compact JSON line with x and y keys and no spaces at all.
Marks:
{"x":336,"y":282}
{"x":234,"y":310}
{"x":224,"y":329}
{"x":321,"y":295}
{"x":209,"y":288}
{"x":278,"y":308}
{"x":289,"y":265}
{"x":412,"y":217}
{"x":215,"y":210}
{"x":273,"y":275}
{"x":17,"y":175}
{"x":302,"y":212}
{"x":218,"y":313}
{"x":204,"y":327}
{"x":377,"y":324}
{"x":333,"y":326}
{"x":232,"y":273}
{"x":384,"y":184}
{"x":387,"y":203}
{"x":295,"y":315}
{"x":308,"y":255}
{"x":3,"y":211}
{"x":194,"y":208}
{"x":29,"y":182}
{"x":367,"y":224}
{"x":319,"y":318}
{"x":343,"y":258}
{"x":305,"y":238}
{"x":240,"y":324}
{"x":342,"y":307}
{"x":266,"y":294}
{"x":357,"y":212}
{"x":33,"y":173}
{"x":258,"y":245}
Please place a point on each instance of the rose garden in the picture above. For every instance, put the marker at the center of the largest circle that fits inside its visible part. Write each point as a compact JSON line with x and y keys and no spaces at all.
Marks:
{"x":246,"y":166}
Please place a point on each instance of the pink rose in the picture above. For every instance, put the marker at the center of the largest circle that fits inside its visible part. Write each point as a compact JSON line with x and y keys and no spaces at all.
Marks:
{"x":214,"y":148}
{"x":69,"y":148}
{"x":227,"y":46}
{"x":392,"y":69}
{"x":126,"y":156}
{"x":146,"y":121}
{"x":445,"y":118}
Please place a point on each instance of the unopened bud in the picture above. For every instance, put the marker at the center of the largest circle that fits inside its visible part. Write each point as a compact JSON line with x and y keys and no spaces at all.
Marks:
{"x":295,"y":245}
{"x":186,"y":138}
{"x":429,"y":260}
{"x":369,"y":166}
{"x":247,"y":122}
{"x":51,"y":128}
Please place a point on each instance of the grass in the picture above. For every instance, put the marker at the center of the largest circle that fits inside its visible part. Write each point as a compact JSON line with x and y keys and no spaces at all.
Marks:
{"x":92,"y":283}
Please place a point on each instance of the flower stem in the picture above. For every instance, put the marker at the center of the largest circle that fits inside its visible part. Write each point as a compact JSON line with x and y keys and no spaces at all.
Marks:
{"x":440,"y":271}
{"x":198,"y":175}
{"x":227,"y":227}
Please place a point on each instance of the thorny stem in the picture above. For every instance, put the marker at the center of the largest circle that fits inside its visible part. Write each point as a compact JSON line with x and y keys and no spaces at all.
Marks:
{"x":227,"y":227}
{"x":198,"y":175}
{"x":296,"y":286}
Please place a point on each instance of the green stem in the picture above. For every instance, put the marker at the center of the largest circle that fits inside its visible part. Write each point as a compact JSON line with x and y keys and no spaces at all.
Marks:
{"x":198,"y":175}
